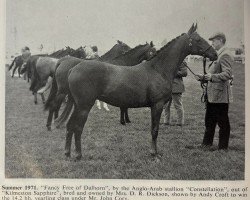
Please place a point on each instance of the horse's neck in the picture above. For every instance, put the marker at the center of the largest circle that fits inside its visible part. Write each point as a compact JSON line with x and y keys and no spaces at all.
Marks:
{"x":170,"y":57}
{"x":108,"y":54}
{"x":129,"y":58}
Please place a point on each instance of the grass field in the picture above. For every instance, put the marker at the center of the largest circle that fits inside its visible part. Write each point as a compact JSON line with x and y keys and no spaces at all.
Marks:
{"x":113,"y":151}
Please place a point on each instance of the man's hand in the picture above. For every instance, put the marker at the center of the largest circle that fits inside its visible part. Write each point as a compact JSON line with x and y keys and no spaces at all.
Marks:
{"x":208,"y":77}
{"x":198,"y":77}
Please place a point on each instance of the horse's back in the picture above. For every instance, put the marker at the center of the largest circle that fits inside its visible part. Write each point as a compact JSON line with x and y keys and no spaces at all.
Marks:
{"x":111,"y":83}
{"x":62,"y":70}
{"x":45,"y":66}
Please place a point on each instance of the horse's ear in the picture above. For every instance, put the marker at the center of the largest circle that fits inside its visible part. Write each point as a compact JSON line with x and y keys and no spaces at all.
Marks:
{"x":151,"y":44}
{"x":191,"y":30}
{"x":195,"y":27}
{"x":119,"y":42}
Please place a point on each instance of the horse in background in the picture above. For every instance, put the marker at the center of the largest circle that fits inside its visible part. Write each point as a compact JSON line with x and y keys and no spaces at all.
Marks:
{"x":17,"y":63}
{"x":40,"y":68}
{"x":148,"y":84}
{"x":59,"y":88}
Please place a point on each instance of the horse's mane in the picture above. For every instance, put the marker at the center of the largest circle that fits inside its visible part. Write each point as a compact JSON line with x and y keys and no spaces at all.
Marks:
{"x":111,"y":51}
{"x":131,"y":51}
{"x":166,"y":46}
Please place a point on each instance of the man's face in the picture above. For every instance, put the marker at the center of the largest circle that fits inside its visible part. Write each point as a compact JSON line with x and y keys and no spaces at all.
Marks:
{"x":217,"y":43}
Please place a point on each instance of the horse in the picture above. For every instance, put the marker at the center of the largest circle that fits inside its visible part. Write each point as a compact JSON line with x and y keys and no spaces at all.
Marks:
{"x":40,"y":68}
{"x":148,"y":84}
{"x":59,"y":88}
{"x":18,"y":62}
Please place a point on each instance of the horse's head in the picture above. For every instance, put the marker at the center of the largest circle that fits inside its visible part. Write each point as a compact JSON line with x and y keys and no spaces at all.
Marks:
{"x":117,"y":50}
{"x":151,"y":51}
{"x":122,"y":47}
{"x":80,"y":52}
{"x":148,"y":51}
{"x":199,"y":46}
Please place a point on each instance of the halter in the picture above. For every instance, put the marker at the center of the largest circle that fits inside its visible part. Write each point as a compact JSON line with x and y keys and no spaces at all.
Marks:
{"x":202,"y":81}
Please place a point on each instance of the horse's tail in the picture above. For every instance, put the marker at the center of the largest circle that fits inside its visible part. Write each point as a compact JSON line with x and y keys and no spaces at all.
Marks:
{"x":12,"y":64}
{"x":52,"y":94}
{"x":66,"y":112}
{"x":34,"y":81}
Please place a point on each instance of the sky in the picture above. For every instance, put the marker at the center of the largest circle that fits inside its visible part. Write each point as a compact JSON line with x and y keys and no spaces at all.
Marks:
{"x":75,"y":23}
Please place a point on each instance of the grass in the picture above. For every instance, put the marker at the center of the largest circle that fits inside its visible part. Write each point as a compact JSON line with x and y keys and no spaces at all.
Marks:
{"x":113,"y":151}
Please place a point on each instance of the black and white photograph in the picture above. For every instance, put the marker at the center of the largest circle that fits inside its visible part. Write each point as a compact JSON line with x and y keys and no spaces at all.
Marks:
{"x":125,"y":90}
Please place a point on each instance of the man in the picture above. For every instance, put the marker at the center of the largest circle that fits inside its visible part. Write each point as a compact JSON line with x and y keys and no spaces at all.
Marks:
{"x":178,"y":89}
{"x":218,"y":94}
{"x":25,"y":56}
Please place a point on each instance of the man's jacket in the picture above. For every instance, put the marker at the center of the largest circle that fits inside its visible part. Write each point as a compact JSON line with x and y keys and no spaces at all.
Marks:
{"x":178,"y":86}
{"x":218,"y":89}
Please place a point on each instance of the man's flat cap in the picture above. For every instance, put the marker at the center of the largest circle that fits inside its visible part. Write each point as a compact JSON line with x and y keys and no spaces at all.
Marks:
{"x":218,"y":35}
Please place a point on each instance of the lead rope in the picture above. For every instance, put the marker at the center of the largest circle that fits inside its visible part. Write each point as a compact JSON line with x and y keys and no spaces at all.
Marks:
{"x":203,"y":81}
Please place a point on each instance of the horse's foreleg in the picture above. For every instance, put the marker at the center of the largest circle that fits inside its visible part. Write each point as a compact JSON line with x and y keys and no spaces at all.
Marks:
{"x":49,"y":120}
{"x":35,"y":97}
{"x":69,"y":135}
{"x":24,"y":75}
{"x":14,"y":70}
{"x":126,"y":116}
{"x":122,"y":120}
{"x":156,"y":111}
{"x":19,"y":71}
{"x":56,"y":114}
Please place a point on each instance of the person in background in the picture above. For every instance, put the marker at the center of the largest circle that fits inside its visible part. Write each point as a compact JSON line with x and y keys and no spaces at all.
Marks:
{"x":25,"y":56}
{"x":219,"y":94}
{"x":178,"y":89}
{"x":94,"y":55}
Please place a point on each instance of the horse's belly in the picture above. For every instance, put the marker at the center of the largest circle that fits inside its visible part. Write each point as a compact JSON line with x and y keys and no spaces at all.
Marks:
{"x":123,"y":96}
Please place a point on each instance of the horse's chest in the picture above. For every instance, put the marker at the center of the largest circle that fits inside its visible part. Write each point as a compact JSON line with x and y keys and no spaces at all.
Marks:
{"x":159,"y":90}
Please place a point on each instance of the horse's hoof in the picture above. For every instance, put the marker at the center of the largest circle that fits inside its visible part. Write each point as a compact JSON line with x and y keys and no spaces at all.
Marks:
{"x":67,"y":154}
{"x":123,"y":123}
{"x":78,"y":158}
{"x":157,"y":159}
{"x":35,"y":102}
{"x":128,"y":121}
{"x":153,"y":152}
{"x":49,"y":128}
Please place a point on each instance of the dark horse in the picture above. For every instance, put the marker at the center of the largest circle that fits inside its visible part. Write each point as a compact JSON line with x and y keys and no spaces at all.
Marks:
{"x":148,"y":84}
{"x":59,"y":88}
{"x":18,"y":61}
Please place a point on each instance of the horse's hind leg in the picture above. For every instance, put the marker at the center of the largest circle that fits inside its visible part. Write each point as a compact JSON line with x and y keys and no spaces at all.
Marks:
{"x":76,"y":124}
{"x":54,"y":110}
{"x":69,"y":135}
{"x":126,"y":116}
{"x":49,"y":120}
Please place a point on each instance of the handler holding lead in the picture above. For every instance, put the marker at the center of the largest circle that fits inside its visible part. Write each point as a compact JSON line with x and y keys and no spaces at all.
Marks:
{"x":218,"y":94}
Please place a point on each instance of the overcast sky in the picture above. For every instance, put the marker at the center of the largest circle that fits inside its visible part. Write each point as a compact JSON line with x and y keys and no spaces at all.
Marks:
{"x":59,"y":23}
